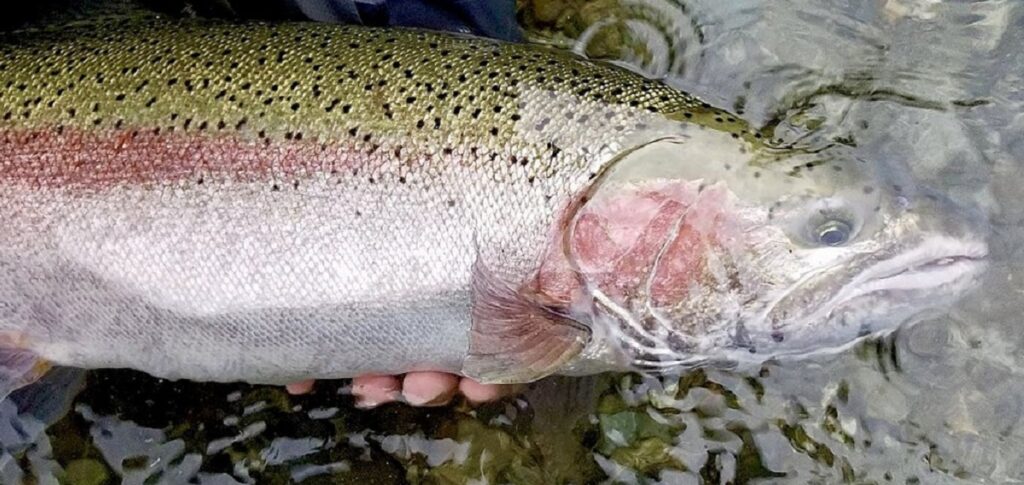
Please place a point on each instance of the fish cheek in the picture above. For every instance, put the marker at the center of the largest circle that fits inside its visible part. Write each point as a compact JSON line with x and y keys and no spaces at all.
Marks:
{"x":683,"y":261}
{"x":638,"y":242}
{"x":679,"y":266}
{"x":595,"y":250}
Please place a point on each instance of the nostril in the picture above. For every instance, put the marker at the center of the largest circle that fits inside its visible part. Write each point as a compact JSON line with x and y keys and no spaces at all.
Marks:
{"x":865,"y":330}
{"x":778,"y":337}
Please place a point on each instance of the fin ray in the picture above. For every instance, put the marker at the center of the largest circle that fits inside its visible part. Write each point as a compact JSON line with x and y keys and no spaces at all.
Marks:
{"x":515,"y":339}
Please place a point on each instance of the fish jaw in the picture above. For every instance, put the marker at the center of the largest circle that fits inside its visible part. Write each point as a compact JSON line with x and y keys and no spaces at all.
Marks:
{"x":931,"y":274}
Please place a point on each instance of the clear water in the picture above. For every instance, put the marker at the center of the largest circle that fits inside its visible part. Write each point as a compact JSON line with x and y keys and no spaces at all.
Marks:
{"x":928,"y":86}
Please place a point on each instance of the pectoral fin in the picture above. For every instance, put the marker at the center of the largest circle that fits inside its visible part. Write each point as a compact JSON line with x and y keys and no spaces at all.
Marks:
{"x":516,"y":339}
{"x":49,"y":398}
{"x":19,"y":368}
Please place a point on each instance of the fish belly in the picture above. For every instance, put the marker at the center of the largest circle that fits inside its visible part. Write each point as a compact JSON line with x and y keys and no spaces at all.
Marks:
{"x":237,"y":282}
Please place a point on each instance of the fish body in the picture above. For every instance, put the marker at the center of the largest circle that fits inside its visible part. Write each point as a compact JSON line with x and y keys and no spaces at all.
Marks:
{"x":274,"y":202}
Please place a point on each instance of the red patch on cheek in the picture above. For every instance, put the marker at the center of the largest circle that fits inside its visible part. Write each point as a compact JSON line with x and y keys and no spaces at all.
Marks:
{"x":633,"y":267}
{"x":680,"y":265}
{"x":684,"y":261}
{"x":594,"y":248}
{"x":616,"y":240}
{"x":613,"y":244}
{"x":658,"y":235}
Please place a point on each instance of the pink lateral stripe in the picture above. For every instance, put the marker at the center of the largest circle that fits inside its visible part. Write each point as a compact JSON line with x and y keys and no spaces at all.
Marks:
{"x":84,"y":159}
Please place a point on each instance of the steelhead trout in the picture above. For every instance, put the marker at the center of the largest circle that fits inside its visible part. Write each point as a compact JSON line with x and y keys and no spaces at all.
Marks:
{"x":275,"y":202}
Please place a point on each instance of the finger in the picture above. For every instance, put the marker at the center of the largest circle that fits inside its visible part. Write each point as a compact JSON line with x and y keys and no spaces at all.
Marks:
{"x":301,"y":387}
{"x":478,"y":393}
{"x":429,"y":388}
{"x":373,"y":390}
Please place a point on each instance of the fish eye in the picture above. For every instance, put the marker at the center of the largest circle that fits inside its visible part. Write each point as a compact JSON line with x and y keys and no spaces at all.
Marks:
{"x":822,"y":222}
{"x":832,"y":233}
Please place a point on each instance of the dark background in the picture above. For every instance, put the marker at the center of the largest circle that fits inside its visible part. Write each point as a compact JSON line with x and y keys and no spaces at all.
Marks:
{"x":488,"y":18}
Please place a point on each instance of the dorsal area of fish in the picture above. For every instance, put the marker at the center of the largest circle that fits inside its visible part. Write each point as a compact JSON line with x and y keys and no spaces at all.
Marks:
{"x":267,"y":202}
{"x":322,"y":83}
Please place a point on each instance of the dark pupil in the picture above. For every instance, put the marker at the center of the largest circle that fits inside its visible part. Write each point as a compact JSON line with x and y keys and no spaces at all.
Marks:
{"x":833,"y":236}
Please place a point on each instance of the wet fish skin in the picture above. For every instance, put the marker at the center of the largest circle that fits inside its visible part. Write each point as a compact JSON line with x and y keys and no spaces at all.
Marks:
{"x":274,"y":202}
{"x":271,"y":202}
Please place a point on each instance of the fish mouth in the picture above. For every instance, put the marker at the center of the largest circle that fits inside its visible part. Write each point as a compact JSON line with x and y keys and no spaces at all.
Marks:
{"x":878,"y":299}
{"x":937,"y":263}
{"x":929,"y":275}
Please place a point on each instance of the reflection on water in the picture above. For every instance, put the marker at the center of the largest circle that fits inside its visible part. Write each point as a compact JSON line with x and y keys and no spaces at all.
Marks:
{"x":928,"y":89}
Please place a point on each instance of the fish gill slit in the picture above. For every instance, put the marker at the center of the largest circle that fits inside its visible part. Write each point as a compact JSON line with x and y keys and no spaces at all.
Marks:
{"x":571,"y":219}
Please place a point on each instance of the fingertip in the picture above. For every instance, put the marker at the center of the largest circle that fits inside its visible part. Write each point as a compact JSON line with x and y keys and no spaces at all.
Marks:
{"x":300,"y":387}
{"x":478,"y":393}
{"x":429,"y":388}
{"x":373,"y":390}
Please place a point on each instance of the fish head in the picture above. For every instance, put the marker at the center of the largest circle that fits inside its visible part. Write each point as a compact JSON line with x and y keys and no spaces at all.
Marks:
{"x":694,"y":251}
{"x":850,"y":252}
